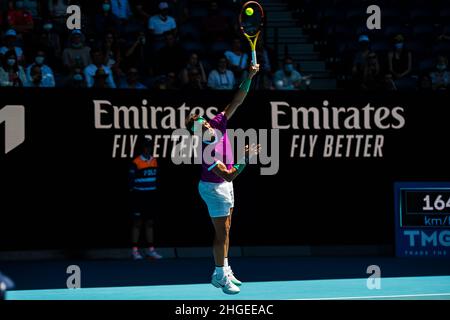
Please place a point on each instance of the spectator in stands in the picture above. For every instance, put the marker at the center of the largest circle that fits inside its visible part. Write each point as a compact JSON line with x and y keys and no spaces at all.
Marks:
{"x":217,"y":25}
{"x":76,"y":79}
{"x":143,"y":9}
{"x":221,"y":78}
{"x":112,"y":53}
{"x":90,"y":72}
{"x":400,"y":59}
{"x":35,"y":79}
{"x":195,"y":80}
{"x":20,"y":18}
{"x":34,"y":7}
{"x":9,"y":44}
{"x":100,"y":79}
{"x":264,"y":78}
{"x":263,"y":56}
{"x":371,"y":77}
{"x":388,"y":83}
{"x":11,"y":73}
{"x":121,"y":9}
{"x":77,"y":55}
{"x":45,"y":72}
{"x":105,"y":20}
{"x":170,"y":58}
{"x":360,"y":59}
{"x":161,"y":23}
{"x":425,"y":83}
{"x":193,"y":63}
{"x":132,"y":80}
{"x":138,"y":54}
{"x":440,"y":77}
{"x":58,"y":11}
{"x":287,"y":78}
{"x":50,"y":41}
{"x":237,"y":60}
{"x":167,"y":82}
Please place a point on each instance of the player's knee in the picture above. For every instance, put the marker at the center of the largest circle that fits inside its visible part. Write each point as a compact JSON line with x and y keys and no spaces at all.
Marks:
{"x":222,"y":234}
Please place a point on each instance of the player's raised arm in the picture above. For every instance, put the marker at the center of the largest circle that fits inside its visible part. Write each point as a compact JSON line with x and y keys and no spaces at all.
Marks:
{"x":242,"y":92}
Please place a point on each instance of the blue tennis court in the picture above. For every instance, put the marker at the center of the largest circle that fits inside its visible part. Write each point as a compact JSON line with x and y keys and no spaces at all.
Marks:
{"x":289,"y":278}
{"x":334,"y":289}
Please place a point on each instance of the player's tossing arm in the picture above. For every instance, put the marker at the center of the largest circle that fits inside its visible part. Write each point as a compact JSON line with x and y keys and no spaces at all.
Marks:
{"x":221,"y":170}
{"x":242,"y":92}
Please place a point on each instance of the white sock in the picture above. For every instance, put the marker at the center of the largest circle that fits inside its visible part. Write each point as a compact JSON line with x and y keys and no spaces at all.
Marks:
{"x":220,"y":272}
{"x":225,"y":264}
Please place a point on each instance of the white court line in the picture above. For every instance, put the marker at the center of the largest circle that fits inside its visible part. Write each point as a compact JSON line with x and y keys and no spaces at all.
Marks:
{"x":381,"y":297}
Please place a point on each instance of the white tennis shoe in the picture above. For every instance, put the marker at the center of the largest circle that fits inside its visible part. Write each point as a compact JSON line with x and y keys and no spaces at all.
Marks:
{"x":225,"y":283}
{"x":230,"y":275}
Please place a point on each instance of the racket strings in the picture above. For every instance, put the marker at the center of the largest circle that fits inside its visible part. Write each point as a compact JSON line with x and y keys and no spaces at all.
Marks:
{"x":251,"y":24}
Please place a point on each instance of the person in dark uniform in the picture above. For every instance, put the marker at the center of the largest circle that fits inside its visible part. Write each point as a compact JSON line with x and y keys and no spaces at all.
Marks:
{"x":144,"y":200}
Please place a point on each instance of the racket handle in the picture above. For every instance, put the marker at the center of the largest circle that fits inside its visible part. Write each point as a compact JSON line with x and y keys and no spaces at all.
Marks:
{"x":254,"y":61}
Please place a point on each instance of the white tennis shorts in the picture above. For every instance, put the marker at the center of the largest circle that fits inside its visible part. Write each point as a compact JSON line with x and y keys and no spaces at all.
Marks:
{"x":219,"y":197}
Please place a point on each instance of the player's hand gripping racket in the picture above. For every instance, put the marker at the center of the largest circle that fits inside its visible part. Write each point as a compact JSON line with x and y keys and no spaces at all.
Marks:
{"x":251,"y":21}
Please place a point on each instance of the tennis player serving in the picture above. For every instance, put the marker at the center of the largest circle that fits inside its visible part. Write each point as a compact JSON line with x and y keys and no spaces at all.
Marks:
{"x":216,"y":183}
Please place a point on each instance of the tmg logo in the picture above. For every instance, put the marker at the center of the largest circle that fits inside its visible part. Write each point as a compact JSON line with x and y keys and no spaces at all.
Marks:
{"x":14,"y":119}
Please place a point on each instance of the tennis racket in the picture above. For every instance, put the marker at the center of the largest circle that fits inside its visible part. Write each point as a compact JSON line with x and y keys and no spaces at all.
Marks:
{"x":251,"y":21}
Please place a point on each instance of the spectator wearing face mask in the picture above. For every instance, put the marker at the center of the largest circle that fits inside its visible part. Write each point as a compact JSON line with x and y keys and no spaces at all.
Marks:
{"x":48,"y":40}
{"x":105,"y":20}
{"x":221,"y":78}
{"x":10,"y":39}
{"x":400,"y":59}
{"x":47,"y":77}
{"x":20,"y":18}
{"x":287,"y":78}
{"x":162,"y":22}
{"x":440,"y":77}
{"x":77,"y":54}
{"x":11,"y":73}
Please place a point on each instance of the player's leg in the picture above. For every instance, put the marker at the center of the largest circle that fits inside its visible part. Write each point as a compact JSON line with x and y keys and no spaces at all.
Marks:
{"x":219,"y":203}
{"x":220,"y":277}
{"x":221,"y":231}
{"x":227,"y":266}
{"x":227,"y":241}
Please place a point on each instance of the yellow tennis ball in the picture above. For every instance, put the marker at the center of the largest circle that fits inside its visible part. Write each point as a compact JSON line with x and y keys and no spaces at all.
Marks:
{"x":249,"y":11}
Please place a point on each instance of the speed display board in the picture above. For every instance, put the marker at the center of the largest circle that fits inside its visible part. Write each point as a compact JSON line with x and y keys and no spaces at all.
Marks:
{"x":422,"y":219}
